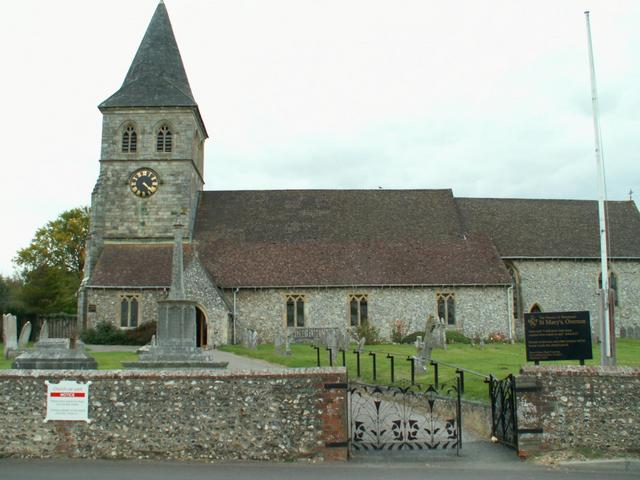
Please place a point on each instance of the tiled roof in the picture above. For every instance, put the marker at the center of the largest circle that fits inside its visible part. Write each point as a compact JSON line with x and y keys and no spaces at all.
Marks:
{"x":157,"y":77}
{"x":340,"y":237}
{"x":133,"y":265}
{"x":552,"y":228}
{"x":355,"y":238}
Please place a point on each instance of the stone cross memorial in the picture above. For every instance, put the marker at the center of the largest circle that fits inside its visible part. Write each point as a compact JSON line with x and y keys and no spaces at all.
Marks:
{"x":175,"y":345}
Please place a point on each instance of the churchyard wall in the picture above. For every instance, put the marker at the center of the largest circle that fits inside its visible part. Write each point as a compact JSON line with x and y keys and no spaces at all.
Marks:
{"x":568,"y":285}
{"x":578,"y":408}
{"x":212,"y":416}
{"x":479,"y":310}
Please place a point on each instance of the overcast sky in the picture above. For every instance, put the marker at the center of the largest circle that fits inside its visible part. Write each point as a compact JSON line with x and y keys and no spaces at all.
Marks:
{"x":489,"y":98}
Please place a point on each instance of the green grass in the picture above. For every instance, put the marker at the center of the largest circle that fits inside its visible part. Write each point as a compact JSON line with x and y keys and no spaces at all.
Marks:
{"x":113,"y":360}
{"x":106,"y":360}
{"x":497,"y":359}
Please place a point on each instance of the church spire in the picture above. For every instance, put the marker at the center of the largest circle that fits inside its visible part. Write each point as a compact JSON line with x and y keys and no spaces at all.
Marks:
{"x":156,"y":77}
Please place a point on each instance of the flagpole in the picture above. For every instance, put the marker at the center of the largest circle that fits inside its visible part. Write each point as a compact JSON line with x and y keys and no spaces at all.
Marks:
{"x":606,"y":326}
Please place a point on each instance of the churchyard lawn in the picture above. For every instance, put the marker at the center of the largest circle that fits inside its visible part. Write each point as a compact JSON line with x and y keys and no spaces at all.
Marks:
{"x":497,"y":359}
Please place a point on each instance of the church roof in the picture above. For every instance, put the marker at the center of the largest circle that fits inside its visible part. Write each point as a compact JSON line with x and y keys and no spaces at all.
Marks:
{"x":157,"y":77}
{"x":133,"y":265}
{"x":340,"y":238}
{"x":297,"y":238}
{"x":552,"y":228}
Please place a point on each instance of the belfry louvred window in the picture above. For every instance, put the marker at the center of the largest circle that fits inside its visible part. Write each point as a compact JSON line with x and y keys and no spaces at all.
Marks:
{"x":164,"y":141}
{"x":129,"y":140}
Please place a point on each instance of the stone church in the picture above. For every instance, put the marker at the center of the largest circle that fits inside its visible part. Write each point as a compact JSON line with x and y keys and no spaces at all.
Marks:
{"x":305,"y":259}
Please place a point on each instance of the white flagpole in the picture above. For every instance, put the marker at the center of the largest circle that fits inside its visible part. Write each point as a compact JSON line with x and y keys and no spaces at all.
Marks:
{"x":606,"y":351}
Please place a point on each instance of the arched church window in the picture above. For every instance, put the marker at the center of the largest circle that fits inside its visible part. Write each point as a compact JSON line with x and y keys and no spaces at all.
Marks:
{"x":129,"y":140}
{"x":358,"y":310}
{"x":129,"y":310}
{"x":295,"y":310}
{"x":164,"y":140}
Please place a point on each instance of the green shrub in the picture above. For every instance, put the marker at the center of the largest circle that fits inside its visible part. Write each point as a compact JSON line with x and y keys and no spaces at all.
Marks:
{"x":398,"y":330}
{"x":106,"y":333}
{"x":454,"y":336}
{"x":412,"y":337}
{"x":370,"y":333}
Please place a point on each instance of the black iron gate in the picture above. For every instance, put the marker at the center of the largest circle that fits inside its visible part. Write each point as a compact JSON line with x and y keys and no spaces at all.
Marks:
{"x":504,"y":415}
{"x":412,"y":418}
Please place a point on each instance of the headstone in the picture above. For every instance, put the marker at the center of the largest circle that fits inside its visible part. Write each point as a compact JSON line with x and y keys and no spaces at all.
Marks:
{"x":343,"y":340}
{"x":361,"y":343}
{"x":9,"y":335}
{"x":636,"y":331}
{"x":287,"y":343}
{"x":279,"y":343}
{"x":252,"y":339}
{"x":623,"y":332}
{"x":55,"y":354}
{"x":44,"y":331}
{"x":25,"y":334}
{"x":332,"y":345}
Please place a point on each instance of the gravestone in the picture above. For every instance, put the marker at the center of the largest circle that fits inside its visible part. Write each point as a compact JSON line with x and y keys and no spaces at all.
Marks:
{"x":279,"y":343}
{"x":360,"y":345}
{"x":251,"y":339}
{"x":10,"y":335}
{"x":44,"y":331}
{"x":343,"y":340}
{"x":54,"y":354}
{"x":25,"y":334}
{"x":175,"y":345}
{"x":433,"y":338}
{"x":332,"y":345}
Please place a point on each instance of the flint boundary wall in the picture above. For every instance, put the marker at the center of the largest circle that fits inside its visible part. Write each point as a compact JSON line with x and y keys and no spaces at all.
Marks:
{"x":578,"y":408}
{"x":202,"y":415}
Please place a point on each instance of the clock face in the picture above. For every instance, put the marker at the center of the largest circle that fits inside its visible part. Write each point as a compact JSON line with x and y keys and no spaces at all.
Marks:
{"x":143,"y":182}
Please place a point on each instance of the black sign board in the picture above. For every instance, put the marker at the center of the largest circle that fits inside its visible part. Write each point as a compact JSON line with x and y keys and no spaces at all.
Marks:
{"x":553,"y":336}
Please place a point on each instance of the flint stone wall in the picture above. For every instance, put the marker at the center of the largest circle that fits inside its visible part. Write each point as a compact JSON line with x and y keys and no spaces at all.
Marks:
{"x":570,"y":285}
{"x":572,"y":407}
{"x":283,"y":415}
{"x":479,"y":311}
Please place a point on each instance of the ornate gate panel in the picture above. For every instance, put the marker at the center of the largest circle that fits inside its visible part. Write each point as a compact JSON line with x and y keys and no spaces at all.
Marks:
{"x":396,"y":418}
{"x":504,"y":425}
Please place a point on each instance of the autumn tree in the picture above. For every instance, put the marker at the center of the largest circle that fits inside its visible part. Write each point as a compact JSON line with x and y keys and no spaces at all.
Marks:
{"x":51,"y":266}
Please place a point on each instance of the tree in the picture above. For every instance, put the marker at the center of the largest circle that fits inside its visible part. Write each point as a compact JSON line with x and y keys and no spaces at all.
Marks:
{"x":10,"y":288}
{"x":59,"y":244}
{"x":51,"y":266}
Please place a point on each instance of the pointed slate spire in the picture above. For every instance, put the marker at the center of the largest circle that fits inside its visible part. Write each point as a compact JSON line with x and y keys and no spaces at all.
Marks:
{"x":156,"y":77}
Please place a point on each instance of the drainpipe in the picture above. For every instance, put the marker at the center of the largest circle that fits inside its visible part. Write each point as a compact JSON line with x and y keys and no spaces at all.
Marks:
{"x":510,"y":294}
{"x":235,"y":292}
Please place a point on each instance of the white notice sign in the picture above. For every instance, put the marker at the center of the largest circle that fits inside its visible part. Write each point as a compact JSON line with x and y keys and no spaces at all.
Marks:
{"x":67,"y":400}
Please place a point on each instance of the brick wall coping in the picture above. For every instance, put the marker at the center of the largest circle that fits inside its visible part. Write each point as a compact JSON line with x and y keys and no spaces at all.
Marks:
{"x":173,"y":374}
{"x":579,"y":371}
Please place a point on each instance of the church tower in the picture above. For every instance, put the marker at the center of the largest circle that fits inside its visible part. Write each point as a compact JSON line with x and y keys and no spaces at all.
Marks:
{"x":151,"y":171}
{"x":151,"y":162}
